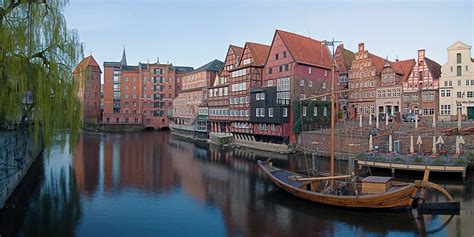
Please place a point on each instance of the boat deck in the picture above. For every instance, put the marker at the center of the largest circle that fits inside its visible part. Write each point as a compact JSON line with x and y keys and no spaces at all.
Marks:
{"x":284,"y":175}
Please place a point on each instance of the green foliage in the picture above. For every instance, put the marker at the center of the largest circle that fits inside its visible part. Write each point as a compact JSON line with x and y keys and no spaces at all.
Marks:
{"x":37,"y":54}
{"x":304,"y":122}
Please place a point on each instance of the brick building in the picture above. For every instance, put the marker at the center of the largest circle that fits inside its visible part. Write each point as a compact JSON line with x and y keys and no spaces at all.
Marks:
{"x":363,"y":78}
{"x":139,"y":96}
{"x":218,"y":98}
{"x":88,"y":73}
{"x":296,"y":67}
{"x":344,"y":60}
{"x":420,"y":90}
{"x":243,"y":78}
{"x":190,"y":110}
{"x":389,"y":89}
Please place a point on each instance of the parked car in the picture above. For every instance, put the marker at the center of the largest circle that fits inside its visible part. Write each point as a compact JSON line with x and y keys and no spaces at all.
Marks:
{"x":410,"y":118}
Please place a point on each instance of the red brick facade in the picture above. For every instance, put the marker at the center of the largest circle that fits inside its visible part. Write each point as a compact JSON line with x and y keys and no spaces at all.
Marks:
{"x":88,"y":73}
{"x":299,"y":67}
{"x":140,"y":95}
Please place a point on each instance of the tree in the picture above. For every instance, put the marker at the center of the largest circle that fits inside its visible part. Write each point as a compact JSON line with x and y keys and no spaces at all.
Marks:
{"x":37,"y":55}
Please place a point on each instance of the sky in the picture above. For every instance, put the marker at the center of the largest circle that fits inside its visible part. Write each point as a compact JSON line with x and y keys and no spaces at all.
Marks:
{"x":192,"y":33}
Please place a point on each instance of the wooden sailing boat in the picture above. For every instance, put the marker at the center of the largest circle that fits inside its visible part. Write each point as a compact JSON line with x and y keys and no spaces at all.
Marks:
{"x":373,"y":192}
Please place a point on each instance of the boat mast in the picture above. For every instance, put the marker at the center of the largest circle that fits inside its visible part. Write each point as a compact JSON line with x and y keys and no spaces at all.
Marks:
{"x":333,"y":98}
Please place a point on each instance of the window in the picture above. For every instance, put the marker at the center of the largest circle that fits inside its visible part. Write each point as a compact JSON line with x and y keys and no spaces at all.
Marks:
{"x":302,"y":97}
{"x":304,"y":110}
{"x":310,"y":84}
{"x":324,"y":85}
{"x":283,"y":84}
{"x":273,"y":127}
{"x":285,"y":112}
{"x":459,"y":94}
{"x":445,"y":109}
{"x":270,"y":112}
{"x":459,"y":71}
{"x":286,"y":67}
{"x":270,"y":71}
{"x":309,"y":70}
{"x":301,"y":82}
{"x":459,"y":82}
{"x":448,"y":83}
{"x":281,"y":68}
{"x":470,"y":94}
{"x":315,"y":112}
{"x":284,"y":54}
{"x":467,"y":82}
{"x":458,"y":58}
{"x":325,"y":110}
{"x":276,"y":56}
{"x":270,"y":83}
{"x":247,"y":61}
{"x":458,"y":107}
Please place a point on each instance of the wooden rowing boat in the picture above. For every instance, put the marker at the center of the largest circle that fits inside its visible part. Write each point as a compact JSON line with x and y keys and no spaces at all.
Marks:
{"x":396,"y":197}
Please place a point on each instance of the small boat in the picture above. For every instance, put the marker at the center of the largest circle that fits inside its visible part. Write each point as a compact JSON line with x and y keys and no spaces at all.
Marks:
{"x":373,"y":192}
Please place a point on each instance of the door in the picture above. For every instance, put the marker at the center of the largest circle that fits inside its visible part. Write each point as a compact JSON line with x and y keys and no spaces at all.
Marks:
{"x":470,"y":112}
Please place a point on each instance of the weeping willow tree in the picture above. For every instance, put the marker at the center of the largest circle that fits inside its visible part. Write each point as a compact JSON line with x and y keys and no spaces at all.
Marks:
{"x":37,"y":55}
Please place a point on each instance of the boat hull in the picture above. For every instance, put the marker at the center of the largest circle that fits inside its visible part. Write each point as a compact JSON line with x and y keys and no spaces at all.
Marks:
{"x":400,"y":198}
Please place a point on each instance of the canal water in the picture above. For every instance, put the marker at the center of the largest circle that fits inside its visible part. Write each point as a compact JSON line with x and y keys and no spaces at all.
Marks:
{"x":155,"y":184}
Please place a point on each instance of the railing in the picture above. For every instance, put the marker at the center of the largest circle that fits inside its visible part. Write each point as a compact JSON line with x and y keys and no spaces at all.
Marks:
{"x":416,"y":159}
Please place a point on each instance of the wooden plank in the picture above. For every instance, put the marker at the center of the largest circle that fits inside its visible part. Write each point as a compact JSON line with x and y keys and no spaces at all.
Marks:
{"x":321,"y":178}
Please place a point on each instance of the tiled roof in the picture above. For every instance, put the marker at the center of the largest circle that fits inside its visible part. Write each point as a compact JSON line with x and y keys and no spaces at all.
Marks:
{"x":406,"y":66}
{"x":184,"y":69}
{"x":112,"y":64}
{"x":237,"y":50}
{"x":378,"y":63}
{"x":434,"y":68}
{"x":87,"y":61}
{"x":259,"y":52}
{"x":129,"y":68}
{"x":306,"y":50}
{"x":344,"y":59}
{"x":215,"y":65}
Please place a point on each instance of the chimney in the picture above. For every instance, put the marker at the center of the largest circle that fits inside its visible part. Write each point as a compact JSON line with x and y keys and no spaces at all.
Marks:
{"x":341,"y":45}
{"x":361,"y":47}
{"x":421,"y":53}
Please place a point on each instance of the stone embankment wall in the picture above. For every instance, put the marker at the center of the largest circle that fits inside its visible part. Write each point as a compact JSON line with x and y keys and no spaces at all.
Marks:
{"x":17,"y":153}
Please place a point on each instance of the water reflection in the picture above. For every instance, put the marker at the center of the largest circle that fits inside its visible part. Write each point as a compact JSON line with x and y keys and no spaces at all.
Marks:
{"x":151,"y":183}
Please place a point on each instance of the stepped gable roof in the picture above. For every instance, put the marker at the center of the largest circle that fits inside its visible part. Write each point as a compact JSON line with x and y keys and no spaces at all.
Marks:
{"x":434,"y":68}
{"x":215,"y":66}
{"x":87,"y":61}
{"x":306,"y":50}
{"x":259,"y":52}
{"x":344,"y":58}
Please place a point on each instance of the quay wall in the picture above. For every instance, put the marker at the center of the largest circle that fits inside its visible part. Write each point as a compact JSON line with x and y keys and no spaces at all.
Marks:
{"x":17,"y":152}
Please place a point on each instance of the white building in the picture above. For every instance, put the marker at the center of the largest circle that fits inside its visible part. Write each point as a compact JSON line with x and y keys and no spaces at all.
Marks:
{"x":456,"y":85}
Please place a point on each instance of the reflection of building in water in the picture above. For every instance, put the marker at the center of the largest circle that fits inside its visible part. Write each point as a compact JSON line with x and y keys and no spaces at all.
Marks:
{"x":86,"y":164}
{"x":129,"y":161}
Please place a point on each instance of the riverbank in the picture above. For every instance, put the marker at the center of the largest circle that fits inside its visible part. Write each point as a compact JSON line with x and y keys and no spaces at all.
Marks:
{"x":18,"y":151}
